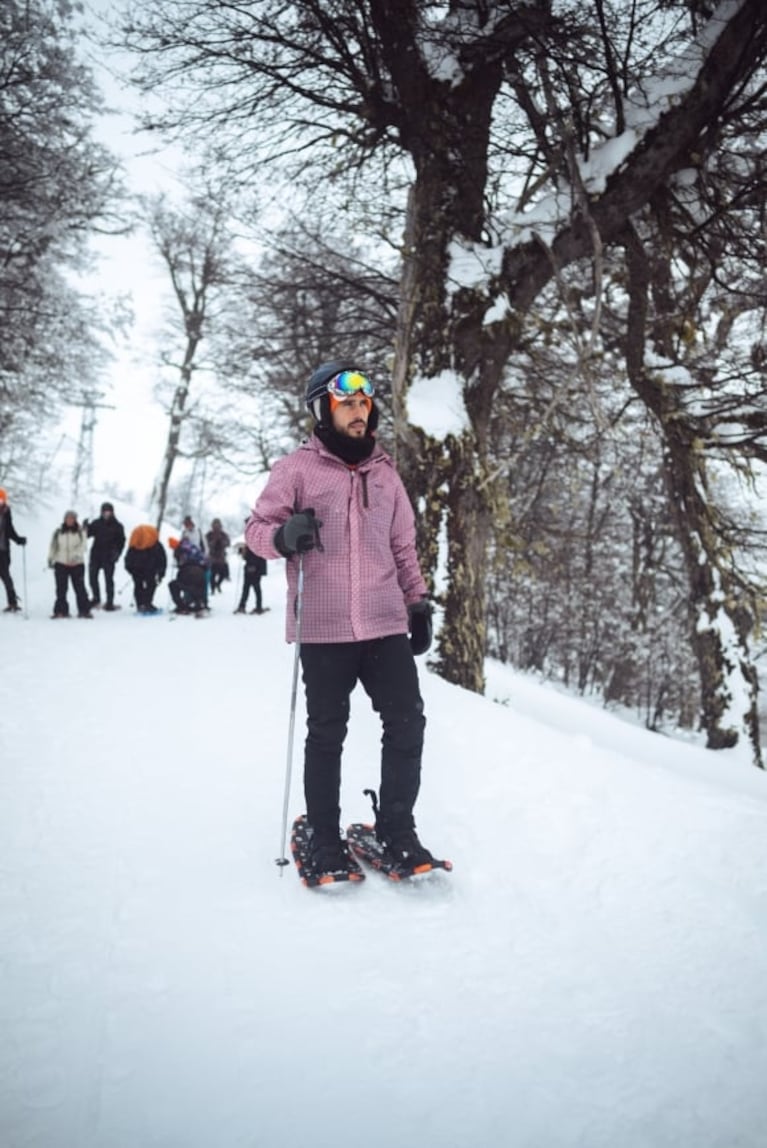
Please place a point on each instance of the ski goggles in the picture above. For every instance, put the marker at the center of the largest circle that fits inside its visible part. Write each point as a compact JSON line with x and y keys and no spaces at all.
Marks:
{"x":350,"y":383}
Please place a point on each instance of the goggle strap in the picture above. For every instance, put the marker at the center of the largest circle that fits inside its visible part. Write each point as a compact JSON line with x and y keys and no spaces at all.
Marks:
{"x":336,"y":400}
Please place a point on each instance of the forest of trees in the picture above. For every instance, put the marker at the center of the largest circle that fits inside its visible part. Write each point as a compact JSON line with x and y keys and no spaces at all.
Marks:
{"x":57,"y":185}
{"x":553,"y":210}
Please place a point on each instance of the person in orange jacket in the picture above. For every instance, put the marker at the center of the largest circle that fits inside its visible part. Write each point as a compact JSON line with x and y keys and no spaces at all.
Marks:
{"x":146,"y":562}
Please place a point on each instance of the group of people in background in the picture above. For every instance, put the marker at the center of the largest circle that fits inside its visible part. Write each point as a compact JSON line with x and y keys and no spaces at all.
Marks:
{"x":200,"y":570}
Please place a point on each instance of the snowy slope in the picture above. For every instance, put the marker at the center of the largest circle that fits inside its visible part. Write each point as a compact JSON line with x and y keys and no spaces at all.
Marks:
{"x":591,"y":974}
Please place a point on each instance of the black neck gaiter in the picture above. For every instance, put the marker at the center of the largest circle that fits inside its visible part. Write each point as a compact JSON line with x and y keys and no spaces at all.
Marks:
{"x":350,"y":450}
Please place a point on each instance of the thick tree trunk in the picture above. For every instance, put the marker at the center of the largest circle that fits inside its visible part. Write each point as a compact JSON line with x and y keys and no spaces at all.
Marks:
{"x":447,"y":479}
{"x":193,"y":316}
{"x":463,"y":639}
{"x":193,"y":323}
{"x":720,"y":615}
{"x":172,"y":444}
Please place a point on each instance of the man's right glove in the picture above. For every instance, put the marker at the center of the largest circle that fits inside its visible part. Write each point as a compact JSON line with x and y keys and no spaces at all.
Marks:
{"x":419,"y":624}
{"x":300,"y":533}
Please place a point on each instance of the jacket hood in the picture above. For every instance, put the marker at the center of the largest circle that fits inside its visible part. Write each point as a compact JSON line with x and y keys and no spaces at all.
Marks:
{"x":144,"y":537}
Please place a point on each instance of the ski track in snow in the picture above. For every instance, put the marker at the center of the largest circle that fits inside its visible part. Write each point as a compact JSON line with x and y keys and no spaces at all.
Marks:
{"x":591,"y":974}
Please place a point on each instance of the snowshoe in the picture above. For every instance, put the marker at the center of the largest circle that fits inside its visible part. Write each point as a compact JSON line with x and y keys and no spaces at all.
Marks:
{"x":396,"y":852}
{"x":400,"y":861}
{"x":323,"y":862}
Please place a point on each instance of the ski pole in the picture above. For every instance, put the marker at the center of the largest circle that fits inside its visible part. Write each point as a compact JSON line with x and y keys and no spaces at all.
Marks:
{"x":282,"y":860}
{"x":24,"y":578}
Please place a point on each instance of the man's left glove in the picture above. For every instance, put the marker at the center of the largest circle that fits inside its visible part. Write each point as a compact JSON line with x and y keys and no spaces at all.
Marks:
{"x":419,"y":624}
{"x":22,"y":540}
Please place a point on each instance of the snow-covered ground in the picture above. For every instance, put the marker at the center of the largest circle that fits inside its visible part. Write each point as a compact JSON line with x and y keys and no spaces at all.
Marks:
{"x":593,"y":972}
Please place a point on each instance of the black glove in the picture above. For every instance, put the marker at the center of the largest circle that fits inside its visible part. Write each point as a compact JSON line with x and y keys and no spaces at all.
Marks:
{"x":419,"y":624}
{"x":22,"y":540}
{"x":300,"y":533}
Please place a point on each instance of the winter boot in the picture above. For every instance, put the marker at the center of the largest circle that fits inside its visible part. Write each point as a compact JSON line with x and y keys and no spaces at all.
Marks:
{"x":327,"y":852}
{"x":402,"y":846}
{"x":398,"y":838}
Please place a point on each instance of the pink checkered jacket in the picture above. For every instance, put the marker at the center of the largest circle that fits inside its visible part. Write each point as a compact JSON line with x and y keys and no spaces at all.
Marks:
{"x":360,"y":584}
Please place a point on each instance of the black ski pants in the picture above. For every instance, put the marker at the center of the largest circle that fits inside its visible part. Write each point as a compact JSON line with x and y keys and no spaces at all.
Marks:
{"x":5,"y":577}
{"x":63,"y":576}
{"x":95,"y":564}
{"x":219,"y":573}
{"x":251,"y":580}
{"x":144,"y":586}
{"x":388,"y":673}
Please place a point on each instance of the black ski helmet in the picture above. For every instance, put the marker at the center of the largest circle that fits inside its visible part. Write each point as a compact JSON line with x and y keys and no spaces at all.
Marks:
{"x":317,"y":399}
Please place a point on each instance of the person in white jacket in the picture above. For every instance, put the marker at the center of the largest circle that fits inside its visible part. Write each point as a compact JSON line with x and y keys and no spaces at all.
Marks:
{"x":66,"y":557}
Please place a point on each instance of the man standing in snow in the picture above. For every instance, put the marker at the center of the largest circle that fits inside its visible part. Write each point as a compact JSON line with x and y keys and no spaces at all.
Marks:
{"x":7,"y":536}
{"x":108,"y":544}
{"x":363,"y":593}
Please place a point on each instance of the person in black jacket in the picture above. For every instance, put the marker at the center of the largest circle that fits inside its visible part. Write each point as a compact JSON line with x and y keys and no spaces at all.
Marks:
{"x":7,"y":536}
{"x":255,"y":568}
{"x":108,"y":544}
